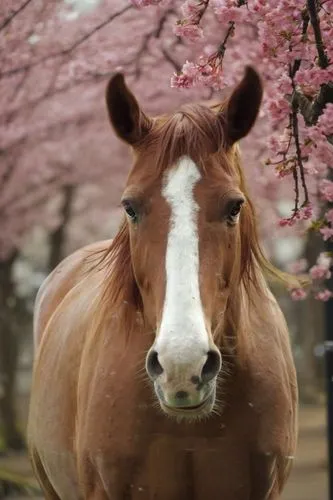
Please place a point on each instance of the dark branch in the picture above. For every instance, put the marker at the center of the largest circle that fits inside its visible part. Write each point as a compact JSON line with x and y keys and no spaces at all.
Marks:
{"x":7,"y":175}
{"x":295,"y":176}
{"x":155,"y":33}
{"x":311,"y":110}
{"x":325,"y":95}
{"x":304,"y":105}
{"x":170,"y":60}
{"x":14,"y":13}
{"x":223,"y":45}
{"x":202,"y":12}
{"x":315,"y":22}
{"x":294,"y":124}
{"x":297,"y":63}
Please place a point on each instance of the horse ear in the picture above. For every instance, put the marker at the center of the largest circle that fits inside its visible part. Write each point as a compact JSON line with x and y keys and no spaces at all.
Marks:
{"x":127,"y":119}
{"x":243,"y":106}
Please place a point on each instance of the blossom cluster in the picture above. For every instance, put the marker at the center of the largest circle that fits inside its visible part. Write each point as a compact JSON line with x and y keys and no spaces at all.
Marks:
{"x":318,"y":273}
{"x":296,"y":68}
{"x":145,"y":3}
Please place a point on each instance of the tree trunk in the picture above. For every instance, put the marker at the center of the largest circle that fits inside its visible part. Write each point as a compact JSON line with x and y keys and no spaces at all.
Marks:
{"x":8,"y":355}
{"x":310,"y":334}
{"x":57,"y":237}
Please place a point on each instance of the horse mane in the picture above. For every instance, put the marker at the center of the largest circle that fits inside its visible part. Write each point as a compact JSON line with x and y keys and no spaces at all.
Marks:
{"x":170,"y":138}
{"x":120,"y":296}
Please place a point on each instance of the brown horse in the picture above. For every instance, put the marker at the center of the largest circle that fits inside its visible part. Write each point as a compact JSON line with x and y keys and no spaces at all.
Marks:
{"x":178,"y":295}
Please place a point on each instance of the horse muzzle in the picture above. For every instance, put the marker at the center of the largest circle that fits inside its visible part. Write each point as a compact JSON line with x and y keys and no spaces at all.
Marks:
{"x":186,"y":407}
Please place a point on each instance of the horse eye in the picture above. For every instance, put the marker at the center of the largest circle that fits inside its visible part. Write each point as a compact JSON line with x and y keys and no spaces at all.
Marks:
{"x":234,"y":210}
{"x":130,"y":211}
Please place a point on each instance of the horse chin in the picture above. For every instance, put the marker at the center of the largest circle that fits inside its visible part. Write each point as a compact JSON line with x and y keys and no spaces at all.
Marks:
{"x":192,"y":413}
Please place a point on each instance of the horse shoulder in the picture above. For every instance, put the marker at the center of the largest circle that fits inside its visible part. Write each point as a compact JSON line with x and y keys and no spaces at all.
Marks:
{"x":62,"y":315}
{"x":59,"y":282}
{"x":273,"y":399}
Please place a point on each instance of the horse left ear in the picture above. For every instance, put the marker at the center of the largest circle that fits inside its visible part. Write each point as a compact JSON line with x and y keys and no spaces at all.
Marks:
{"x":243,"y":106}
{"x":128,"y":120}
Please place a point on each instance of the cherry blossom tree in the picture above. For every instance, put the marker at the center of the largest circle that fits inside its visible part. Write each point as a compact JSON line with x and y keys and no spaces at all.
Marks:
{"x":55,"y":62}
{"x":57,"y":58}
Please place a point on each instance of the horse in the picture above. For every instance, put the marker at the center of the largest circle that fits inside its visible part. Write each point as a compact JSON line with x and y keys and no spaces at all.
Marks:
{"x":163,"y":367}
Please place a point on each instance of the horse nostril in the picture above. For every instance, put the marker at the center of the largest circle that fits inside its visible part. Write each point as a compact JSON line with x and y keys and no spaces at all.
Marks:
{"x":153,"y":366}
{"x":181,"y":395}
{"x":212,"y":366}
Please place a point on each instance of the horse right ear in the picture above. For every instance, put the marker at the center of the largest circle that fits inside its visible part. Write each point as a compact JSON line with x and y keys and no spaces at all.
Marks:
{"x":126,"y":117}
{"x":243,"y":106}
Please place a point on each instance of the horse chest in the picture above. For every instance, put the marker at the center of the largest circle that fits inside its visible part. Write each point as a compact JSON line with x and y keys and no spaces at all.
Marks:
{"x":156,"y":458}
{"x":174,"y":468}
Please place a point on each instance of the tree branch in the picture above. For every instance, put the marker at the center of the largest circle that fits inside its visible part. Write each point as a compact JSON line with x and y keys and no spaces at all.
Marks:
{"x":325,"y":95}
{"x":315,"y":22}
{"x":155,"y":33}
{"x":312,"y":110}
{"x":304,"y":105}
{"x":57,"y":236}
{"x":69,"y":49}
{"x":223,"y":45}
{"x":41,"y":134}
{"x":294,"y":124}
{"x":170,"y":60}
{"x":14,"y":13}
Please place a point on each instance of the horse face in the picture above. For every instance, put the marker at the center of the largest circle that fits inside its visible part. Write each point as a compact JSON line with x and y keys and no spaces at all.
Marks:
{"x":183,"y":216}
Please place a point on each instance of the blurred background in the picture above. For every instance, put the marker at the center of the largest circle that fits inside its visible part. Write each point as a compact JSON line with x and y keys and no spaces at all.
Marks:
{"x":62,"y":172}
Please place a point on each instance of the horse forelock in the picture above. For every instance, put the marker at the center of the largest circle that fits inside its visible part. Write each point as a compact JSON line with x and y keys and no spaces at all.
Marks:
{"x":194,"y":131}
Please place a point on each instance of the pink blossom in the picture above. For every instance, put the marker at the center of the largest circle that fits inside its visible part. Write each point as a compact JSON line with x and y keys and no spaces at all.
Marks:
{"x":190,"y":70}
{"x":329,"y":216}
{"x":326,"y":232}
{"x":191,"y":9}
{"x":325,"y":121}
{"x":284,"y":84}
{"x":209,"y":50}
{"x":315,"y":75}
{"x":227,"y":14}
{"x":145,"y":3}
{"x":181,"y":81}
{"x":318,"y":272}
{"x":298,"y":294}
{"x":305,"y":213}
{"x":324,"y":259}
{"x":318,"y":145}
{"x":326,"y":189}
{"x":298,"y":266}
{"x":278,"y":109}
{"x":287,"y":221}
{"x":192,"y":32}
{"x":324,"y":295}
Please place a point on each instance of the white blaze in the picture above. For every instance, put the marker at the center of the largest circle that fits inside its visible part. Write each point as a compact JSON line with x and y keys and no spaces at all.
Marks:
{"x":182,"y":337}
